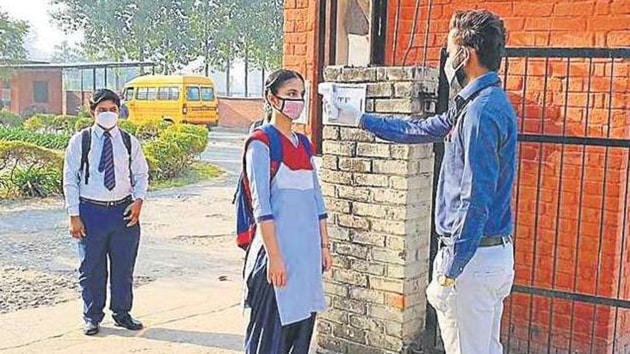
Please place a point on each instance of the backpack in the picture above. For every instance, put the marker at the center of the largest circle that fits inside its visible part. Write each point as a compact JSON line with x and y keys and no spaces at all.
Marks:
{"x":86,"y":145}
{"x":245,"y":221}
{"x":257,"y":124}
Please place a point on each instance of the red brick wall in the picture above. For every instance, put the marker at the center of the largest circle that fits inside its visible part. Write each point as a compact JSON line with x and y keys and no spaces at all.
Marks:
{"x":550,"y":213}
{"x":22,"y":90}
{"x":301,"y":47}
{"x":239,"y":112}
{"x":558,"y":23}
{"x":547,"y":211}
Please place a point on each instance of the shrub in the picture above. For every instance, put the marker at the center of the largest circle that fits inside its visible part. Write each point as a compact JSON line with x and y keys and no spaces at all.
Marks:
{"x":50,"y":141}
{"x":65,"y":123}
{"x":32,"y":110}
{"x":84,"y":112}
{"x":128,"y":126}
{"x":34,"y":124}
{"x":83,"y":123}
{"x":150,"y":129}
{"x":27,"y":170}
{"x":9,"y":119}
{"x":41,"y":123}
{"x":174,"y":150}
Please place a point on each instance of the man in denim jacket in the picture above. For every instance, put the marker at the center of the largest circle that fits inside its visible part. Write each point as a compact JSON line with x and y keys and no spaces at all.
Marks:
{"x":474,"y":268}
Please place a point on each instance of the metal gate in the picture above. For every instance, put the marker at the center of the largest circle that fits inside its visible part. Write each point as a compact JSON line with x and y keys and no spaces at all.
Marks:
{"x":571,"y":202}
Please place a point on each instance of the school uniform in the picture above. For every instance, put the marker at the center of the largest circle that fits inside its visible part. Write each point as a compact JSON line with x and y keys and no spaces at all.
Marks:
{"x":115,"y":180}
{"x":282,"y":319}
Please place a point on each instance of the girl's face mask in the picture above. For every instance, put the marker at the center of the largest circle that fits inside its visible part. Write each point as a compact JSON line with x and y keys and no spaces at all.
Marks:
{"x":291,"y":107}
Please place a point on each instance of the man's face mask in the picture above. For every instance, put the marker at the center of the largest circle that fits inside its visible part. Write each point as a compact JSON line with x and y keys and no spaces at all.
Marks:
{"x":291,"y":107}
{"x":454,"y":68}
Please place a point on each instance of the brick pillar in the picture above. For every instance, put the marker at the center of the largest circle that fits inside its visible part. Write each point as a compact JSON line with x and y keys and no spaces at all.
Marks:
{"x":379,"y":198}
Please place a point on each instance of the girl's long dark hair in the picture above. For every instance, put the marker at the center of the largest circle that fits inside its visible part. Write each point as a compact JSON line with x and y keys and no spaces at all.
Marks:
{"x":274,"y":82}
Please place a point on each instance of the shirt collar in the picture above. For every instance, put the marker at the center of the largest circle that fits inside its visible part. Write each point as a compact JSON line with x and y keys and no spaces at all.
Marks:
{"x":100,"y":131}
{"x":488,"y":79}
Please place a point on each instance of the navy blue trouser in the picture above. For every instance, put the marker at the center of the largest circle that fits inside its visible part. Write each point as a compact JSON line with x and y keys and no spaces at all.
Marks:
{"x":107,"y":237}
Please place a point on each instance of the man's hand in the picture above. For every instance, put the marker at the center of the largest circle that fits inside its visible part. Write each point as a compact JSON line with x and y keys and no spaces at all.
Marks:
{"x":341,"y":113}
{"x":132,"y":213}
{"x":276,"y":272}
{"x":77,"y":229}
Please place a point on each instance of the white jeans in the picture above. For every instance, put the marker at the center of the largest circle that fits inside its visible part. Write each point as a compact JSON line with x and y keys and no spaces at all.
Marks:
{"x":469,"y":313}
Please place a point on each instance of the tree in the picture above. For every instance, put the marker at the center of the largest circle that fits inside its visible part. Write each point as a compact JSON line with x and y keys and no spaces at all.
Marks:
{"x":130,"y":29}
{"x":266,"y":37}
{"x":66,"y":53}
{"x":12,"y":37}
{"x":225,"y":30}
{"x":174,"y":32}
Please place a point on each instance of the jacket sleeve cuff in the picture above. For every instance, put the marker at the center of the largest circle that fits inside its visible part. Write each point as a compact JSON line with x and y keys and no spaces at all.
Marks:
{"x":323,"y":216}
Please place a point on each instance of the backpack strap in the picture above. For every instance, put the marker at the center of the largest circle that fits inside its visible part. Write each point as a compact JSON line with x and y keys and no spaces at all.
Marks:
{"x":307,"y":144}
{"x":275,"y":148}
{"x":268,"y":135}
{"x":126,"y":137}
{"x":86,"y":145}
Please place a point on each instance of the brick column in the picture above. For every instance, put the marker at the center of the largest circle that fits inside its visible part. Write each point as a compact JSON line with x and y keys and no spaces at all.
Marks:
{"x":379,"y":198}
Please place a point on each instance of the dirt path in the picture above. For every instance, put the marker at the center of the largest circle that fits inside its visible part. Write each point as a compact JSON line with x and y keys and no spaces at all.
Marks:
{"x":186,"y":231}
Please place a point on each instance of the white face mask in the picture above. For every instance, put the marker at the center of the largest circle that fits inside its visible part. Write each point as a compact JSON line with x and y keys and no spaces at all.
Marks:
{"x":453,"y":74}
{"x":107,"y":120}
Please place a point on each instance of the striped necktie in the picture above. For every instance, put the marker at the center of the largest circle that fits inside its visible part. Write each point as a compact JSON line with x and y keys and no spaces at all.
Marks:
{"x":106,"y":165}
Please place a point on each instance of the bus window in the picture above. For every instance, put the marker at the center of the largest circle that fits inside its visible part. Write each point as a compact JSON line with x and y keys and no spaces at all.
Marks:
{"x":207,"y":94}
{"x":129,"y":93}
{"x":152,"y":93}
{"x":142,"y":94}
{"x":174,"y":94}
{"x":192,"y":93}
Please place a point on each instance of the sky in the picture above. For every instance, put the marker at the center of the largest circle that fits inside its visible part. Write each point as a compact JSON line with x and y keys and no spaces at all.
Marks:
{"x":44,"y":34}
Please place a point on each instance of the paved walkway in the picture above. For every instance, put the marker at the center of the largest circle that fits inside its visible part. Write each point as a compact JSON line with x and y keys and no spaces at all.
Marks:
{"x":181,"y":316}
{"x":191,"y":302}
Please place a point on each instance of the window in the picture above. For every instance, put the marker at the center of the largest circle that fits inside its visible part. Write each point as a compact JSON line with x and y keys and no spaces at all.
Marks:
{"x":192,"y":93}
{"x":174,"y":93}
{"x":143,"y":93}
{"x":40,"y":91}
{"x":5,"y":94}
{"x":168,"y":93}
{"x":129,"y":94}
{"x":152,"y":93}
{"x":207,"y":93}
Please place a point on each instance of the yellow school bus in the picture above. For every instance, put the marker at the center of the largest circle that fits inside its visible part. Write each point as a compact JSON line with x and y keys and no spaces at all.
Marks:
{"x":174,"y":98}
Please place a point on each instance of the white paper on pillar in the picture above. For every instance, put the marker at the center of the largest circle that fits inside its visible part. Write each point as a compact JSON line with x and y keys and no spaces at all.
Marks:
{"x":346,"y":94}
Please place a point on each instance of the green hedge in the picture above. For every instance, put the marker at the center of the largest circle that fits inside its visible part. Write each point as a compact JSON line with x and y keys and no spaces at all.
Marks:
{"x":174,"y":150}
{"x":34,"y":168}
{"x":27,"y":170}
{"x":8,"y":119}
{"x":46,"y":140}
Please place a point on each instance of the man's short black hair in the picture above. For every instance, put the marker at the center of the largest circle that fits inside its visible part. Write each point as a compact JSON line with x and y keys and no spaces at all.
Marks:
{"x":483,"y":31}
{"x":102,"y":95}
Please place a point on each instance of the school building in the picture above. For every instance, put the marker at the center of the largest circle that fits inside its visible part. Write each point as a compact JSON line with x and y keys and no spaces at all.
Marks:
{"x":567,"y":72}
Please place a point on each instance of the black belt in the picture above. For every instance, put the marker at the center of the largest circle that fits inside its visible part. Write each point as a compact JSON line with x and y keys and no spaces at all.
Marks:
{"x":489,"y":241}
{"x":110,"y":204}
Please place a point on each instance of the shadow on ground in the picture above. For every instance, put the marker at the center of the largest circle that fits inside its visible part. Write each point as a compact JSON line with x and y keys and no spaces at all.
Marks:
{"x":225,"y":341}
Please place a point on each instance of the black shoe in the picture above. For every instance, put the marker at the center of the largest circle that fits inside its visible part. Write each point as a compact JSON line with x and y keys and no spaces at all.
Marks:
{"x":127,"y":322}
{"x":90,"y":328}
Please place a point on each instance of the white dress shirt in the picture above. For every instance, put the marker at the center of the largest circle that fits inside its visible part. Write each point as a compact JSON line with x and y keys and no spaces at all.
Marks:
{"x":74,"y":186}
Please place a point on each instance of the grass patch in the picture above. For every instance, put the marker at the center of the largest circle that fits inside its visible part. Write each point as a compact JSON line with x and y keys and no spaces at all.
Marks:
{"x":199,"y":171}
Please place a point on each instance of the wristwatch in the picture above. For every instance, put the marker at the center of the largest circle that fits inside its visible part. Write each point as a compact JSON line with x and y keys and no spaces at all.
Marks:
{"x":445,"y":281}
